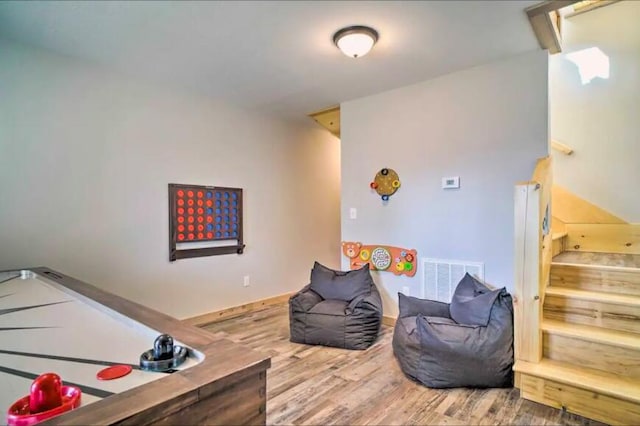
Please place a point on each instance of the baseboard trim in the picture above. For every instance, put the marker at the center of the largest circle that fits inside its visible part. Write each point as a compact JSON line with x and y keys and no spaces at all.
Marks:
{"x":390,"y":321}
{"x":257,"y":305}
{"x":235,"y":311}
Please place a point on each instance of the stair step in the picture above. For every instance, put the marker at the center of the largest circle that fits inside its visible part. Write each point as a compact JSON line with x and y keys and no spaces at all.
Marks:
{"x":558,"y":235}
{"x":594,"y":296}
{"x":606,"y":310}
{"x":593,"y":334}
{"x":595,"y":381}
{"x":609,"y":279}
{"x":593,"y":394}
{"x":558,"y":243}
{"x":612,"y":351}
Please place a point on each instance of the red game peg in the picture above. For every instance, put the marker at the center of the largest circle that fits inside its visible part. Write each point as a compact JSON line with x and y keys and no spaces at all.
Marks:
{"x":47,"y":398}
{"x":373,"y":185}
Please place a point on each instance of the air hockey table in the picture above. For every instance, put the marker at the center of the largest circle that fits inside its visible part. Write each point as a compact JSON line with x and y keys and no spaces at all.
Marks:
{"x":50,"y":322}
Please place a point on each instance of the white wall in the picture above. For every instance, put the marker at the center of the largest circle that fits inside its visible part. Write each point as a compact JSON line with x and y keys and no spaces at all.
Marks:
{"x":600,"y":120}
{"x":487,"y":125}
{"x":85,"y":159}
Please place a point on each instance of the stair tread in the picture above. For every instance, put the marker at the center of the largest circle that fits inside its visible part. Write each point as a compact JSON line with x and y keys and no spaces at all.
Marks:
{"x":593,"y":380}
{"x":593,"y":334}
{"x":558,"y":235}
{"x":596,"y":296}
{"x":595,"y":266}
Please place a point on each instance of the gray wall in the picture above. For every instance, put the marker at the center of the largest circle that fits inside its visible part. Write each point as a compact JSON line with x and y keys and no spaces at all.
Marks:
{"x":487,"y":125}
{"x":85,"y":159}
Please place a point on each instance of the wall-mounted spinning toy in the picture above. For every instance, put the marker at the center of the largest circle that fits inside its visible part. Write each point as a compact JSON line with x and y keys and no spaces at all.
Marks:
{"x":386,"y":183}
{"x":382,"y":258}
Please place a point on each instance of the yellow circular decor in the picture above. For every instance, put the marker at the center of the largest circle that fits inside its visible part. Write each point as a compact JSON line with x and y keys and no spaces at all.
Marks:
{"x":386,"y":182}
{"x":364,"y":255}
{"x":400,"y":266}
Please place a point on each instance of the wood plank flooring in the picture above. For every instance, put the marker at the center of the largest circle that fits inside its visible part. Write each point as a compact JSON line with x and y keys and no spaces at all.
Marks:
{"x":606,"y":259}
{"x":316,"y":385}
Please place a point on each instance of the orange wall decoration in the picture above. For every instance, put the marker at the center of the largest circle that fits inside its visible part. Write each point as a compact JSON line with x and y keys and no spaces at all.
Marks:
{"x":382,"y":258}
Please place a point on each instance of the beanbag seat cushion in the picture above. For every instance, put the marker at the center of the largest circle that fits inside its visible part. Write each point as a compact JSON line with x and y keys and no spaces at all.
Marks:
{"x":340,"y":309}
{"x":468,"y":343}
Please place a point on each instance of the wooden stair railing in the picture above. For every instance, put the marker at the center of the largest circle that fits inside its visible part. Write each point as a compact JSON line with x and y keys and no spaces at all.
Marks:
{"x":532,"y":260}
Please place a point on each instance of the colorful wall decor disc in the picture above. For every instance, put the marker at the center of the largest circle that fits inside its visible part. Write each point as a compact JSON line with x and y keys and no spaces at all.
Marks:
{"x":386,"y":183}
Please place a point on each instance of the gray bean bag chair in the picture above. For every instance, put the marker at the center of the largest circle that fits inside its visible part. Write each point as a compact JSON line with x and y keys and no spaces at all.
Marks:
{"x":468,"y":343}
{"x":341,"y":309}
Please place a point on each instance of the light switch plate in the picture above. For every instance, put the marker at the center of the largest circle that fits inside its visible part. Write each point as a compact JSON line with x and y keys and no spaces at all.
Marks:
{"x":353,"y":213}
{"x":451,"y":182}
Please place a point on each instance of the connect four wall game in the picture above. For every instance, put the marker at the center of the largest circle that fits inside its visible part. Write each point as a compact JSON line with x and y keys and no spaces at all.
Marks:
{"x":204,"y":221}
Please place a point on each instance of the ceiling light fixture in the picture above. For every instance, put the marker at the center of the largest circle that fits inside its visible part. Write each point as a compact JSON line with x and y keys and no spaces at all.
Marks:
{"x":355,"y":41}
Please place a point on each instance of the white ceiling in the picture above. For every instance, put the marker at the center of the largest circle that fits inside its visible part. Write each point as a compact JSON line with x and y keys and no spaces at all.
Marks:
{"x":275,"y":55}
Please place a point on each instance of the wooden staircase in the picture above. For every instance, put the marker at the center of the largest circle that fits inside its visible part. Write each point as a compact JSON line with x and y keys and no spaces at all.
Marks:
{"x":576,"y":321}
{"x":590,"y":344}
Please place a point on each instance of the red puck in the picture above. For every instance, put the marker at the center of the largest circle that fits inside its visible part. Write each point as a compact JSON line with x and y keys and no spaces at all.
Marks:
{"x":114,"y":372}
